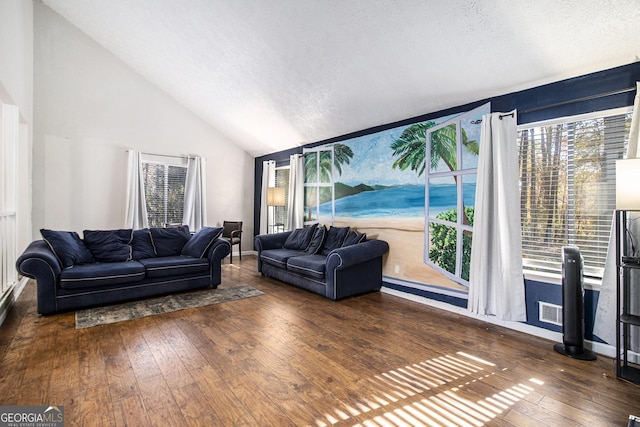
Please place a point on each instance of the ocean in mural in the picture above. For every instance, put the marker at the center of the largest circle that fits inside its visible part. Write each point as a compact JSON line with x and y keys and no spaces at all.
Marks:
{"x":399,"y":201}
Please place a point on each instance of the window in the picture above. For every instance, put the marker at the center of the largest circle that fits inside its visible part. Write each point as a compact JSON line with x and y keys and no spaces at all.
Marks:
{"x":282,"y":181}
{"x":567,"y":187}
{"x":319,"y":201}
{"x":164,"y":191}
{"x":451,"y":168}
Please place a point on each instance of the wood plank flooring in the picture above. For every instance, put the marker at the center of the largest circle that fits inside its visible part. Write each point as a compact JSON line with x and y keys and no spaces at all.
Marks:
{"x":293,"y":358}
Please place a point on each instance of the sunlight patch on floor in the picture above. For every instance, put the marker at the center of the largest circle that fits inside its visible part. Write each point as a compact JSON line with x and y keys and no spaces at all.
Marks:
{"x":450,"y":407}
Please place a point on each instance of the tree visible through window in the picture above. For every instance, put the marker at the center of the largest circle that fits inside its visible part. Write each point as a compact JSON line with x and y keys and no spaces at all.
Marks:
{"x":164,"y":192}
{"x":567,"y":187}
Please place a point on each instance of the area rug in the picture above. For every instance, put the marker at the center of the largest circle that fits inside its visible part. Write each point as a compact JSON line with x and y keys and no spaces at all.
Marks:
{"x":166,"y":304}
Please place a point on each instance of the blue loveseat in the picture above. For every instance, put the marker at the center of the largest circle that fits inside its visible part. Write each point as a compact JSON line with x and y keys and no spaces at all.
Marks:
{"x":109,"y":266}
{"x":335,"y":262}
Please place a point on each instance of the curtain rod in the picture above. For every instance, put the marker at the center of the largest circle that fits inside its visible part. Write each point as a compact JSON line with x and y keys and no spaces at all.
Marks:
{"x":187,"y":156}
{"x":164,"y":155}
{"x":584,"y":98}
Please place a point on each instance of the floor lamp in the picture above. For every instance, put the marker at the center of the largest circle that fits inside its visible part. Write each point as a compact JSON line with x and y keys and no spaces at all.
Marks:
{"x":275,"y":197}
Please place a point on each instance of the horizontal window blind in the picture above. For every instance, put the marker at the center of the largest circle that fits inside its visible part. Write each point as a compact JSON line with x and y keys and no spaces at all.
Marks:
{"x":567,"y":188}
{"x":164,"y":192}
{"x":282,"y":181}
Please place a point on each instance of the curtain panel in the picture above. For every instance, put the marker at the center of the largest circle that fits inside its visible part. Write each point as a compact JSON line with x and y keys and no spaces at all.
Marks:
{"x":295,"y":204}
{"x":496,"y":282}
{"x":195,"y":204}
{"x":136,"y":207}
{"x":268,"y":180}
{"x":606,"y":312}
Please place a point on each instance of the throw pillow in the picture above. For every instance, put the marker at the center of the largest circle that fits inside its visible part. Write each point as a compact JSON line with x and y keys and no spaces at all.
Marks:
{"x":142,"y":246}
{"x":334,"y":239}
{"x":169,"y":241}
{"x":353,"y":238}
{"x":315,"y":245}
{"x":67,"y":247}
{"x":299,"y":238}
{"x":109,"y":245}
{"x":199,"y":243}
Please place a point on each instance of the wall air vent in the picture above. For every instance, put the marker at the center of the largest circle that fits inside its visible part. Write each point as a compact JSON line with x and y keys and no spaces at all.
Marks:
{"x":550,"y":313}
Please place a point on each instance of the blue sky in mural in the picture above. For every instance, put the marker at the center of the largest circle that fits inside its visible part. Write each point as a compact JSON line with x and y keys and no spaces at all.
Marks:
{"x":372,"y":161}
{"x":372,"y":164}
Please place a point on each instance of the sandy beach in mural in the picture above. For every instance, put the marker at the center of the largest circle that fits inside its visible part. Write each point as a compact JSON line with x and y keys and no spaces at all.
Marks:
{"x":405,"y":259}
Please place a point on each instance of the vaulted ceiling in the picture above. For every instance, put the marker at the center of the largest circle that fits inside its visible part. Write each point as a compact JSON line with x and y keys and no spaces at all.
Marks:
{"x":275,"y":74}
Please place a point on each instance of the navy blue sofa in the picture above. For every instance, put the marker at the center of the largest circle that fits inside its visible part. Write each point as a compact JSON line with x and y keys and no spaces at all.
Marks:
{"x":110,"y":266}
{"x":335,"y":262}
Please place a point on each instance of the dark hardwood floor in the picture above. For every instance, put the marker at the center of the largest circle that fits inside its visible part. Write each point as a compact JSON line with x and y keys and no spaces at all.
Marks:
{"x":290,"y":357}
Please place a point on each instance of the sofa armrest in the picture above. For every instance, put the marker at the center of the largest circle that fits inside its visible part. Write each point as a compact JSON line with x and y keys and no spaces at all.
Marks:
{"x":356,"y":254}
{"x":355,"y":269}
{"x":263,"y":242}
{"x":219,"y":249}
{"x":40,"y":263}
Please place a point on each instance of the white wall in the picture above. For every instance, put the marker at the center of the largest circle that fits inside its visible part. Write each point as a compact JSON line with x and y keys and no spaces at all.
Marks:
{"x":89,"y":109}
{"x":16,"y":88}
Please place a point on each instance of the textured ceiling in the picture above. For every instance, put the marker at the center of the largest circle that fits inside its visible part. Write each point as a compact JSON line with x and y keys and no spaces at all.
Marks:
{"x":275,"y":74}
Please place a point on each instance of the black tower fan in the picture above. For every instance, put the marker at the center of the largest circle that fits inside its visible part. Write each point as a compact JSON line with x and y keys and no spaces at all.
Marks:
{"x":573,"y":306}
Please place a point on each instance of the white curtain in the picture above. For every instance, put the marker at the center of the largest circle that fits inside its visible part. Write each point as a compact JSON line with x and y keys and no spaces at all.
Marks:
{"x":268,"y":180}
{"x":295,"y":204}
{"x":496,"y":282}
{"x":136,"y":214}
{"x":605,"y":322}
{"x":195,"y":203}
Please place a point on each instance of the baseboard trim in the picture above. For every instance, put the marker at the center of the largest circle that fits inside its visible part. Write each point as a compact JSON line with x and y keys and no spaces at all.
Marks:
{"x":10,"y":298}
{"x":600,"y":348}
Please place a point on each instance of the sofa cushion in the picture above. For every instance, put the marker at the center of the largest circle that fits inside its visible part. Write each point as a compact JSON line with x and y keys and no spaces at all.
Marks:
{"x":109,"y":245}
{"x":278,"y":257}
{"x":174,"y":266}
{"x":315,"y":246}
{"x":101,"y":274}
{"x":299,"y":238}
{"x":67,"y":246}
{"x":141,"y":245}
{"x":199,"y":243}
{"x":353,"y":238}
{"x":169,"y":241}
{"x":308,"y":265}
{"x":335,"y":237}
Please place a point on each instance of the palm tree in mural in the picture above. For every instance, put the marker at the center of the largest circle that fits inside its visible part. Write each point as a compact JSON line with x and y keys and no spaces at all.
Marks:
{"x":411,"y":149}
{"x":342,"y":154}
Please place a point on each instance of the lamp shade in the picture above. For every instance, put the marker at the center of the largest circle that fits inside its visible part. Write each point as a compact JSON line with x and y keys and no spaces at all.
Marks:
{"x":628,"y":184}
{"x":275,"y":196}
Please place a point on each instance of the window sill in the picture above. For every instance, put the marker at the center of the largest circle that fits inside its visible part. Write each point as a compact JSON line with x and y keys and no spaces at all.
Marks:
{"x":556,"y":279}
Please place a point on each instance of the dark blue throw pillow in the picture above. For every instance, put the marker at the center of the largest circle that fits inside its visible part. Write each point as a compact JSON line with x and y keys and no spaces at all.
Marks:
{"x":170,"y":241}
{"x":299,"y":238}
{"x":353,"y":238}
{"x":199,"y":243}
{"x":335,"y":237}
{"x":315,"y":246}
{"x":67,"y":247}
{"x":142,"y":246}
{"x":109,"y":245}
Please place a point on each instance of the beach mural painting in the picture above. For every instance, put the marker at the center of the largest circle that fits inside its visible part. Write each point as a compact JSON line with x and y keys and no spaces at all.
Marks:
{"x":394,"y":186}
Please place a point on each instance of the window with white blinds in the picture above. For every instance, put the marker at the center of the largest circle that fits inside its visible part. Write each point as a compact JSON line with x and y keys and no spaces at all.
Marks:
{"x":567,"y":187}
{"x":164,"y":192}
{"x":280,"y":212}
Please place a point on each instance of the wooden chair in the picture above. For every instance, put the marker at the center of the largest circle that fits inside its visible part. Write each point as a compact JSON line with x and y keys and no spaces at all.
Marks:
{"x":232,"y":231}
